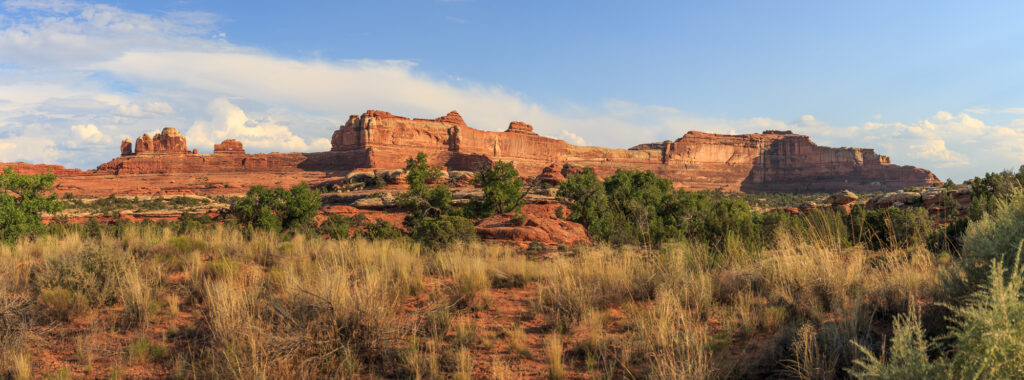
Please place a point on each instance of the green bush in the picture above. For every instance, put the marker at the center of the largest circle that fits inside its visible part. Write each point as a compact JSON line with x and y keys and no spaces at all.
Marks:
{"x":889,"y":227}
{"x":94,"y":272}
{"x":341,"y":226}
{"x":380,"y":230}
{"x":432,"y":219}
{"x":987,"y":336}
{"x":443,"y":230}
{"x":274,"y":209}
{"x":638,"y":207}
{"x":995,"y":235}
{"x":21,"y":202}
{"x":61,"y":304}
{"x":503,"y":190}
{"x":418,"y":173}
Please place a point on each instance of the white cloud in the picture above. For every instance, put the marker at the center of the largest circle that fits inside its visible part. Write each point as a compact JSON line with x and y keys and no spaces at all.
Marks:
{"x":87,"y":132}
{"x":572,"y":138}
{"x":935,"y":151}
{"x":230,"y":122}
{"x":28,"y":149}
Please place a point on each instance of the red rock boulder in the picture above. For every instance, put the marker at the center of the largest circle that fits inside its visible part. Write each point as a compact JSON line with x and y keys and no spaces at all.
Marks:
{"x":545,"y":230}
{"x":551,"y":175}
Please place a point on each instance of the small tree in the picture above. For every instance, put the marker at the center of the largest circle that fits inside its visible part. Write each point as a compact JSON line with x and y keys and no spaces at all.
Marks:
{"x":503,"y":190}
{"x":432,"y":220}
{"x":418,"y":172}
{"x":584,"y":194}
{"x":21,"y":202}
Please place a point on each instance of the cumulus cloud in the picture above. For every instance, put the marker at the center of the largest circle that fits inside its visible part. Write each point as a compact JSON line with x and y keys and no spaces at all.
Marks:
{"x":230,"y":122}
{"x":87,"y":132}
{"x":935,"y":150}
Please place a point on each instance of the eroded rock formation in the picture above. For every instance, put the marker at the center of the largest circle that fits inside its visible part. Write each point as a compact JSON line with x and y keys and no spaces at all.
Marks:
{"x":229,"y":146}
{"x":168,"y":141}
{"x":773,"y":161}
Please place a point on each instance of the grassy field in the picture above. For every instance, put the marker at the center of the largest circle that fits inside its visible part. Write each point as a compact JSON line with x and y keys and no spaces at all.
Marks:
{"x":218,"y":303}
{"x":679,"y":286}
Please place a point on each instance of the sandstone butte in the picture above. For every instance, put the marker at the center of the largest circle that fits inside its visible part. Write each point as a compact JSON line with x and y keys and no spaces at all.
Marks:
{"x":773,"y":161}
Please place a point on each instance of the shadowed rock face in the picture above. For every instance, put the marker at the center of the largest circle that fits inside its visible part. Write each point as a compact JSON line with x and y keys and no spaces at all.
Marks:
{"x":773,"y":161}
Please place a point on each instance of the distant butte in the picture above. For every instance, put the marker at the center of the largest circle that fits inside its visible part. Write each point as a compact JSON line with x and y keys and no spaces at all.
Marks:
{"x":773,"y":161}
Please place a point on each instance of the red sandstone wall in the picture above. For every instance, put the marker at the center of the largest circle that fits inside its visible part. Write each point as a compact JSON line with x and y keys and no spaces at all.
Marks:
{"x":772,"y":161}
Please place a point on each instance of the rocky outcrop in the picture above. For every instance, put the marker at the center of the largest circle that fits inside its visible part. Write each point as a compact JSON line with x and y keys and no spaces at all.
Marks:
{"x":551,"y":175}
{"x":841,"y":198}
{"x":526,"y":229}
{"x":773,"y":161}
{"x":229,"y":146}
{"x":451,"y":118}
{"x":168,"y":141}
{"x":520,"y":127}
{"x":36,"y":169}
{"x":126,"y":147}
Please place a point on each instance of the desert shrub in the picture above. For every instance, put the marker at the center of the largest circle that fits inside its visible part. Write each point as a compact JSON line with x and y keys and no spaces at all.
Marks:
{"x":185,"y":244}
{"x":144,"y":351}
{"x":987,"y":335}
{"x":341,"y":226}
{"x":443,"y":230}
{"x":503,"y":190}
{"x":889,"y":227}
{"x":61,"y":304}
{"x":189,"y":223}
{"x":94,"y":272}
{"x":949,"y":238}
{"x":996,"y":235}
{"x":379,"y":230}
{"x":278,"y":208}
{"x":22,"y":201}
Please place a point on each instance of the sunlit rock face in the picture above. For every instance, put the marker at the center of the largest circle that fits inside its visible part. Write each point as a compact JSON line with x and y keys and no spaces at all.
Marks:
{"x":773,"y":161}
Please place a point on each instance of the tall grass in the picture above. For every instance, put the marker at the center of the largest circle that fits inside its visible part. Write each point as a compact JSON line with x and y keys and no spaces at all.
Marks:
{"x":297,"y":306}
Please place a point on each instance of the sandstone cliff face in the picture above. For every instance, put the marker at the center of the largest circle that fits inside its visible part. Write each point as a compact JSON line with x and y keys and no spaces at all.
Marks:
{"x":764,"y":162}
{"x":773,"y":161}
{"x":36,"y":169}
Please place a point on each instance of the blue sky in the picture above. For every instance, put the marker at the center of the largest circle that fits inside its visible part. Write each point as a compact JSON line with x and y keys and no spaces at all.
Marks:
{"x":932,"y":84}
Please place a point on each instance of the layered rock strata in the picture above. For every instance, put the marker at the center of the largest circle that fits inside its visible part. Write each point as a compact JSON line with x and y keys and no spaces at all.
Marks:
{"x":773,"y":161}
